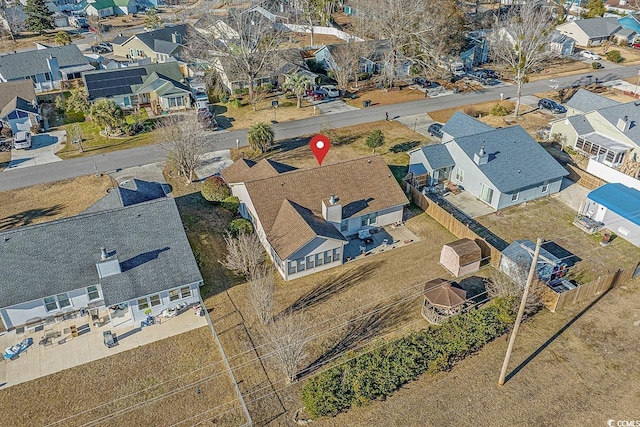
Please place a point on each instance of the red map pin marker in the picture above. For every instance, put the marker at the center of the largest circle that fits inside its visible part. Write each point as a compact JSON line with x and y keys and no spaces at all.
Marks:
{"x":320,"y":147}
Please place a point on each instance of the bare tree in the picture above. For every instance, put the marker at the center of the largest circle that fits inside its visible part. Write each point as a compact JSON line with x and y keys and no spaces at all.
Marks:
{"x":98,"y":26}
{"x":184,"y":139}
{"x":288,"y":338}
{"x":74,"y":135}
{"x":346,"y":62}
{"x":313,"y":12}
{"x":245,"y":45}
{"x":415,"y":31}
{"x":14,"y":22}
{"x":503,"y":286}
{"x":521,"y":42}
{"x":245,"y":254}
{"x":261,"y":293}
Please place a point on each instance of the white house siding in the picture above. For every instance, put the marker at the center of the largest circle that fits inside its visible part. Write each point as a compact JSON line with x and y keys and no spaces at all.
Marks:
{"x":616,"y":223}
{"x":473,"y":178}
{"x":611,"y":175}
{"x":572,"y":30}
{"x":385,"y":217}
{"x":138,"y":314}
{"x":318,"y":246}
{"x":561,"y":127}
{"x":20,"y":314}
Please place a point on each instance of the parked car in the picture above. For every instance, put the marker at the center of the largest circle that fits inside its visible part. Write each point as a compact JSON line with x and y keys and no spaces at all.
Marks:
{"x":22,"y":140}
{"x":106,"y":46}
{"x":317,"y":95}
{"x":635,"y":45}
{"x":435,"y":129}
{"x":589,"y":55}
{"x":330,"y":91}
{"x":554,"y":107}
{"x":420,"y":81}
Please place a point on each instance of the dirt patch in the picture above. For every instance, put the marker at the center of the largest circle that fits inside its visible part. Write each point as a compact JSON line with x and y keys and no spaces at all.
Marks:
{"x":301,"y":40}
{"x":47,"y":202}
{"x":242,"y":116}
{"x":5,"y":159}
{"x":572,"y":366}
{"x":135,"y":387}
{"x":550,"y":219}
{"x":368,"y":91}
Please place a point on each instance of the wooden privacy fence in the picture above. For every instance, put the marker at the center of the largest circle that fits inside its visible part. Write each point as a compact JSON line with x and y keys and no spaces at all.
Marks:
{"x":584,"y":178}
{"x":456,"y":227}
{"x":555,"y":301}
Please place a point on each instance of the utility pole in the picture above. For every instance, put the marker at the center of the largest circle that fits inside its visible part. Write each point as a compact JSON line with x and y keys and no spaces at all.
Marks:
{"x":523,"y":303}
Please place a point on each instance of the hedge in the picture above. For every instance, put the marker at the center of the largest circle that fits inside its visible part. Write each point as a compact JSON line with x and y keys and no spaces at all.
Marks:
{"x":377,"y":374}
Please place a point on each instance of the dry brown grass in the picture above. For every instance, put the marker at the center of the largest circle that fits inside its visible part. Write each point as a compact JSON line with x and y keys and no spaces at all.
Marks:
{"x":630,"y":55}
{"x":367,"y":90}
{"x":301,"y":40}
{"x":154,"y":370}
{"x":5,"y":159}
{"x":231,"y":117}
{"x":47,"y":202}
{"x":550,"y":219}
{"x":581,"y":372}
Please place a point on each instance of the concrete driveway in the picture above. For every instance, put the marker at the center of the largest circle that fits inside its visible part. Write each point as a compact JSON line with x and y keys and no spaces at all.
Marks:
{"x":333,"y":106}
{"x":572,"y":194}
{"x":213,"y":163}
{"x":43,"y":149}
{"x":418,"y":123}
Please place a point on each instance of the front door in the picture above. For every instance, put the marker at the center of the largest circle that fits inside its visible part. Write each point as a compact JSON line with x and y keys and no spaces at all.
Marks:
{"x":600,"y":213}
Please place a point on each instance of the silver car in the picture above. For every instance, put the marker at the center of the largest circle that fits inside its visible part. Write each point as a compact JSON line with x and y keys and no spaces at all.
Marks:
{"x":22,"y":140}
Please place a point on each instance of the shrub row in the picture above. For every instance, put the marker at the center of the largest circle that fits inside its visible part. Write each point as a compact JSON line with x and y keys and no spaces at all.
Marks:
{"x":377,"y":374}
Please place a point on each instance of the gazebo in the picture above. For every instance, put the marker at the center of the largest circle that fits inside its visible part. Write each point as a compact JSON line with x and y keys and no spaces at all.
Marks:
{"x":461,"y":257}
{"x":442,"y":299}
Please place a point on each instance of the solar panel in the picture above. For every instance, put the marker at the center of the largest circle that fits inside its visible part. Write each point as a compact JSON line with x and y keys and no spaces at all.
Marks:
{"x":116,"y":82}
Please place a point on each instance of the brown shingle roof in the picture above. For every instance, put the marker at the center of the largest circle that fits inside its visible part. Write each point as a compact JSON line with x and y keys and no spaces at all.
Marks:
{"x":467,"y":250}
{"x":361,"y":186}
{"x":245,"y":170}
{"x":441,"y":293}
{"x":292,"y":216}
{"x":21,"y":89}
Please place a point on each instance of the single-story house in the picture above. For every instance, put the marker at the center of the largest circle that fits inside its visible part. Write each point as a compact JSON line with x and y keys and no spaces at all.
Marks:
{"x":303,"y":216}
{"x":136,"y":256}
{"x":516,"y":262}
{"x":46,"y":66}
{"x":604,"y":129}
{"x":103,"y":8}
{"x":160,"y":86}
{"x":618,"y":208}
{"x":461,"y":257}
{"x":18,"y":105}
{"x":501,"y":167}
{"x":595,"y":31}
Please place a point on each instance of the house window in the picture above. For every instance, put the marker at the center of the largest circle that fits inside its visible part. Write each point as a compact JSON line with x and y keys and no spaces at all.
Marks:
{"x":310,"y":260}
{"x":50,"y":303}
{"x":319,"y":258}
{"x":459,"y":175}
{"x":545,"y":186}
{"x":139,"y":52}
{"x":127,"y":101}
{"x":93,"y":293}
{"x":143,"y":304}
{"x":327,"y":257}
{"x":175,"y":102}
{"x":185,"y":292}
{"x":47,"y":76}
{"x":292,"y":267}
{"x":486,"y":193}
{"x":174,"y":295}
{"x":514,"y":196}
{"x":336,"y":254}
{"x":155,"y":300}
{"x":344,"y":225}
{"x":369,"y":219}
{"x":63,"y":300}
{"x":301,"y":266}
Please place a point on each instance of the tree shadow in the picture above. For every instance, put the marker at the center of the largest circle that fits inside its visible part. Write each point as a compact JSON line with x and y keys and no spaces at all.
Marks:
{"x":567,"y":257}
{"x":405,"y":146}
{"x":29,"y":216}
{"x":362,"y":329}
{"x":332,"y":286}
{"x":555,"y":336}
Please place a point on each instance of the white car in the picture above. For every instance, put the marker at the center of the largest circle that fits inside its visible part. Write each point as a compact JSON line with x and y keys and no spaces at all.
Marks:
{"x":330,"y":91}
{"x":22,"y":140}
{"x":589,"y":55}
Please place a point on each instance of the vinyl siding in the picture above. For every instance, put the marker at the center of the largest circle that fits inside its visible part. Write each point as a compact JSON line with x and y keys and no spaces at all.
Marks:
{"x":317,"y":246}
{"x":138,"y":314}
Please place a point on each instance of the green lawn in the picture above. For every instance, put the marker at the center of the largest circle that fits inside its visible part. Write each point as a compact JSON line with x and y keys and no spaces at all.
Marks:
{"x":94,"y":143}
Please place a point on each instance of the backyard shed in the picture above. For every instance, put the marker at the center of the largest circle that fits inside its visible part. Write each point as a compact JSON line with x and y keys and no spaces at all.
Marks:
{"x":516,"y":262}
{"x":442,"y":299}
{"x":461,"y":257}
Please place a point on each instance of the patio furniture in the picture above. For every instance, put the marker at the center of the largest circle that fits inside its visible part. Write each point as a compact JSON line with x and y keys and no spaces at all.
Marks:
{"x":368,"y":241}
{"x":74,"y":331}
{"x":20,"y":330}
{"x":385,"y":242}
{"x":363,"y":234}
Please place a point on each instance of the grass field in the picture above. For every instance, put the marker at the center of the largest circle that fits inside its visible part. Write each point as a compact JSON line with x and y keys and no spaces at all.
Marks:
{"x":231,"y":116}
{"x":5,"y":158}
{"x":47,"y":202}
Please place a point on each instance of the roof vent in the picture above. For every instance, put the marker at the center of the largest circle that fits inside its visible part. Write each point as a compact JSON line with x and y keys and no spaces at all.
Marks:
{"x":332,"y":200}
{"x":623,"y":124}
{"x":481,"y":158}
{"x":108,"y":265}
{"x":103,"y":254}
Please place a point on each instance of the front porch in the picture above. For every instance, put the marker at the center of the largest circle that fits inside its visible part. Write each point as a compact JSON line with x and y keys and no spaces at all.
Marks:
{"x":381,"y":239}
{"x":75,"y":340}
{"x":602,"y":149}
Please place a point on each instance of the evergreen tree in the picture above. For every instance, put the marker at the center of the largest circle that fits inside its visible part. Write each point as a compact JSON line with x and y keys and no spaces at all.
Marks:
{"x":39,"y":17}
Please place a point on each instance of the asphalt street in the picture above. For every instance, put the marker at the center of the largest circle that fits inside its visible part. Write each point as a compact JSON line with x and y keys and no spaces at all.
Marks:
{"x":12,"y":179}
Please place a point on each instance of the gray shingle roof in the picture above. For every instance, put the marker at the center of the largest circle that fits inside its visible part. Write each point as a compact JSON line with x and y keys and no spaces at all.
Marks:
{"x":19,"y":88}
{"x":437,"y":156}
{"x":580,"y":124}
{"x":25,"y":64}
{"x":18,"y":103}
{"x":629,"y":110}
{"x":162,"y":34}
{"x":585,"y":101}
{"x":516,"y":161}
{"x":119,"y":39}
{"x":460,"y":125}
{"x":59,"y":256}
{"x":598,"y":27}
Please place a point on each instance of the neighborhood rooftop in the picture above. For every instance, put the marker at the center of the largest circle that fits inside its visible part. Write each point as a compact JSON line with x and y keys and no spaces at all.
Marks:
{"x":621,"y":199}
{"x":245,"y":170}
{"x":32,"y":62}
{"x":598,"y":27}
{"x":59,"y":256}
{"x":19,"y":88}
{"x":585,"y":101}
{"x":461,"y":124}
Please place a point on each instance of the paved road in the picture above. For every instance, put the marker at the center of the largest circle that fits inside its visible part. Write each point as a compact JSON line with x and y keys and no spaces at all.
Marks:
{"x":12,"y":179}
